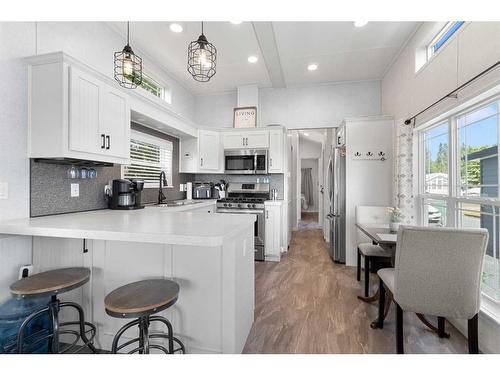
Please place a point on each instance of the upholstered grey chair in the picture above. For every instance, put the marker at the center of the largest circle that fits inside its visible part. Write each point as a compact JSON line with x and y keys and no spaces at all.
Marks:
{"x":372,"y":215}
{"x":437,"y":272}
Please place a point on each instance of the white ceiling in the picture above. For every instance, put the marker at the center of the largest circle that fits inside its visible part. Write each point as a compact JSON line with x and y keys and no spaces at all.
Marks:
{"x":342,"y":51}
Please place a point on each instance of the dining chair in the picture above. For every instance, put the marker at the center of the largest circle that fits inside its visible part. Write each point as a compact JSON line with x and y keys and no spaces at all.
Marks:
{"x":373,"y":215}
{"x":437,"y":272}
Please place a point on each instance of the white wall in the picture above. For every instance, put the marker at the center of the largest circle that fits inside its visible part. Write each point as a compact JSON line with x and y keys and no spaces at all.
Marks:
{"x":91,"y":42}
{"x":404,"y":92}
{"x":368,"y":182}
{"x":309,"y":149}
{"x":297,"y":107}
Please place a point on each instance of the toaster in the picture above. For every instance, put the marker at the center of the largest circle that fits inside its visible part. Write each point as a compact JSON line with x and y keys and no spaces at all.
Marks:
{"x":203,"y":190}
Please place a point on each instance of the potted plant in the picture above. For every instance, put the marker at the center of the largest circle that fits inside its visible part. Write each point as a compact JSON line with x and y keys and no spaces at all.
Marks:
{"x":395,"y":216}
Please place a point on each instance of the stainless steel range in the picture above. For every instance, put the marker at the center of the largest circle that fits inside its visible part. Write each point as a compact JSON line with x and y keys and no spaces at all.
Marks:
{"x":248,"y":198}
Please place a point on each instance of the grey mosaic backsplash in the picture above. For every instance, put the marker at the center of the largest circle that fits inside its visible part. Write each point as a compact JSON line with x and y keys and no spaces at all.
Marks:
{"x":50,"y":189}
{"x":275,"y":180}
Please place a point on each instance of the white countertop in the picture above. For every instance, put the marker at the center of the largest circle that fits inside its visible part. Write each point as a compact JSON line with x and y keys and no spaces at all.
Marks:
{"x":151,"y":224}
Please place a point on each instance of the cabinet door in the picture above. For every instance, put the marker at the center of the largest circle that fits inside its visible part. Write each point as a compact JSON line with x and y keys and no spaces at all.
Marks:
{"x":275,"y":163}
{"x":84,"y":112}
{"x":234,"y":140}
{"x":272,"y":235}
{"x":208,"y":150}
{"x":115,"y":125}
{"x":257,"y":139}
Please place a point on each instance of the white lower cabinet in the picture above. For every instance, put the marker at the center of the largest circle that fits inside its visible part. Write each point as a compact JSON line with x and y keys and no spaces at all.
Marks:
{"x":273,"y":231}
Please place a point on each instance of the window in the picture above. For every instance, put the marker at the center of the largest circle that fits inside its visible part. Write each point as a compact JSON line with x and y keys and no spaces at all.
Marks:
{"x":443,"y":36}
{"x":155,"y":88}
{"x":459,"y":179}
{"x":149,"y":156}
{"x":436,"y":159}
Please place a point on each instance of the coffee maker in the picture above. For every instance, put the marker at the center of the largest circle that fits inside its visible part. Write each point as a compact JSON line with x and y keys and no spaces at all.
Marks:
{"x":125,"y":195}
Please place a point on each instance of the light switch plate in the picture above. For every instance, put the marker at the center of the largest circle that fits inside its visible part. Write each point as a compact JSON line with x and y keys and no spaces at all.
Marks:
{"x":75,"y":190}
{"x":4,"y":190}
{"x":182,"y":187}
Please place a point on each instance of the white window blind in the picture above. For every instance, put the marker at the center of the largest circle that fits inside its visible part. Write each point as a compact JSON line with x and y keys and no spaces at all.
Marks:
{"x":149,"y":156}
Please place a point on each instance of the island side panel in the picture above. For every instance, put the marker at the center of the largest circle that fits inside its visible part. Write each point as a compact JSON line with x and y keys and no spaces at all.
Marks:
{"x":116,"y":263}
{"x":52,"y":253}
{"x":238,"y":290}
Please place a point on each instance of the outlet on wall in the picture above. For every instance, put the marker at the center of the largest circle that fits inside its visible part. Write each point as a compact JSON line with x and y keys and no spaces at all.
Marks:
{"x":75,"y":190}
{"x":182,"y":187}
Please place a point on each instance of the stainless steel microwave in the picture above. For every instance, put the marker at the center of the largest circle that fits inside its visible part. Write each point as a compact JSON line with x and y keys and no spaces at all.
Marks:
{"x":245,"y":161}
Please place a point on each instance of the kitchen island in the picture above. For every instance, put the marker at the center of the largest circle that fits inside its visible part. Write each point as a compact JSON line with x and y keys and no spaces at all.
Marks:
{"x":211,"y":256}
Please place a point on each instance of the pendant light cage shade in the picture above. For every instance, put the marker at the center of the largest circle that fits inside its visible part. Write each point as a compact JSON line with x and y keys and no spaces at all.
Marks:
{"x":128,"y":66}
{"x":202,"y":59}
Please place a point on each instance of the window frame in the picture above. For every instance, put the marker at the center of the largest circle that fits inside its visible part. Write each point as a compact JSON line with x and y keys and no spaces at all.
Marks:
{"x":453,"y":199}
{"x":446,"y":28}
{"x":157,"y":141}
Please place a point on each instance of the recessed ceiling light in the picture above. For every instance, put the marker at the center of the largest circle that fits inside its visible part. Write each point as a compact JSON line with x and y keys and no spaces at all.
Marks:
{"x":253,"y":59}
{"x":312,"y":67}
{"x":236,"y":22}
{"x":176,"y":28}
{"x":360,"y":23}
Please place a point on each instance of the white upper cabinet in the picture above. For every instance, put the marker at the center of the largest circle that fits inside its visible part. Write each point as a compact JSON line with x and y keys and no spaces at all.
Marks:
{"x":84,"y":112}
{"x":75,"y":112}
{"x":202,"y":154}
{"x":276,"y":151}
{"x":115,"y":115}
{"x":246,"y":139}
{"x":209,"y":150}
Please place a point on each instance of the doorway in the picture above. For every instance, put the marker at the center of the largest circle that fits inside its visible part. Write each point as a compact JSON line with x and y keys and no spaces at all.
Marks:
{"x":308,"y":178}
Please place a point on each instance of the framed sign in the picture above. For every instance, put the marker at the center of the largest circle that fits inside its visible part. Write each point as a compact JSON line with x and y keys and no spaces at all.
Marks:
{"x":245,"y":117}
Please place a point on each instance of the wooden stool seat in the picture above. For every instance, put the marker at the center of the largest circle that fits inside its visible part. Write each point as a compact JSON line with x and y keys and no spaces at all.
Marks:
{"x":51,"y":282}
{"x":141,"y":298}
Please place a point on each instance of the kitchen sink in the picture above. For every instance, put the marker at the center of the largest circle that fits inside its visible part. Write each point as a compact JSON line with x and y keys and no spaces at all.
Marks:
{"x":175,"y":203}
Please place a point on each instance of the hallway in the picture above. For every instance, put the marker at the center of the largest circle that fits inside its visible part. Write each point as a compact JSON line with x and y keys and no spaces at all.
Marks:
{"x":308,"y":304}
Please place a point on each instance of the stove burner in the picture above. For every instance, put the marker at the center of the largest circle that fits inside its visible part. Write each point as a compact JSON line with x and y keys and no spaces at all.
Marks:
{"x":241,"y":200}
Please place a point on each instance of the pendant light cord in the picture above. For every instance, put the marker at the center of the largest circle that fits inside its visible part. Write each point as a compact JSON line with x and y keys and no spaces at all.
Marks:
{"x":201,"y":27}
{"x":128,"y":32}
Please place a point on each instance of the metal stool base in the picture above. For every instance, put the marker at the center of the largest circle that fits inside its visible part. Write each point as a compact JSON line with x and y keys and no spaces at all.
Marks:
{"x":54,"y":331}
{"x":144,"y":346}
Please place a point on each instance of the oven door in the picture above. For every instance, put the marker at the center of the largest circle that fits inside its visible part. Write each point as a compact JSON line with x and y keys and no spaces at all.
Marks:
{"x":259,"y":225}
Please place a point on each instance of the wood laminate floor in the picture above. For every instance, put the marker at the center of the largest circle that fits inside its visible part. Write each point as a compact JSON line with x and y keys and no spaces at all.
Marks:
{"x":307,"y":304}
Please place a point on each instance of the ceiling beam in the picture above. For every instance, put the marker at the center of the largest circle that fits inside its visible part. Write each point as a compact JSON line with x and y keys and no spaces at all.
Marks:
{"x":264,"y":33}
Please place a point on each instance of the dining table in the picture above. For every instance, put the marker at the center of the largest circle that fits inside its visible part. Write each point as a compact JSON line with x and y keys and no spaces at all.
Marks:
{"x":382,"y":235}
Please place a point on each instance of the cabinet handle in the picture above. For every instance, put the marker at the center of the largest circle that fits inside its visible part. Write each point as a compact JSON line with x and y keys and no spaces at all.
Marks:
{"x":246,"y":142}
{"x":103,"y":142}
{"x":267,"y":214}
{"x":271,"y":162}
{"x":243,"y":141}
{"x":85,"y":250}
{"x":108,"y":142}
{"x":201,"y":162}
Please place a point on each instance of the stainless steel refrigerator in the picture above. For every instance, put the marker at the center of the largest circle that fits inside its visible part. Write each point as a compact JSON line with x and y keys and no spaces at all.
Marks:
{"x":337,"y":190}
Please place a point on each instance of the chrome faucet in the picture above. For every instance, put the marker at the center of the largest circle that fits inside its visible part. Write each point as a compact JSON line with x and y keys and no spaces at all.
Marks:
{"x":163,"y":180}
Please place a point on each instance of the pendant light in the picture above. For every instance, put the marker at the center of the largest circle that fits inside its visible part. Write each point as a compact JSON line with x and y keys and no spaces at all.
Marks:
{"x":128,"y":66}
{"x":202,"y":58}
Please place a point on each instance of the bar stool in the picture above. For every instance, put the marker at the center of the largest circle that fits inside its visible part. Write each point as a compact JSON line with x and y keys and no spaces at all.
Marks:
{"x":52,"y":283}
{"x":140,"y":300}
